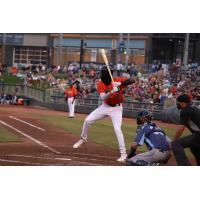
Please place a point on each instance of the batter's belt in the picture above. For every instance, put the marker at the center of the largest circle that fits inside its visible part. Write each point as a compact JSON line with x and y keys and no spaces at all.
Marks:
{"x":114,"y":105}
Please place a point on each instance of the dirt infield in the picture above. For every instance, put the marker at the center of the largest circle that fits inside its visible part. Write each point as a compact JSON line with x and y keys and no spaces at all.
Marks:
{"x":43,"y":145}
{"x":50,"y":147}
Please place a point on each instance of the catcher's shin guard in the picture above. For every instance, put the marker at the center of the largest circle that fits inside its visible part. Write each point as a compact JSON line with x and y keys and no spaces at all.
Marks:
{"x":131,"y":153}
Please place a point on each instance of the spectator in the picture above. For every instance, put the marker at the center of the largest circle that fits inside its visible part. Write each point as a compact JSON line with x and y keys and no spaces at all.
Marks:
{"x":9,"y":99}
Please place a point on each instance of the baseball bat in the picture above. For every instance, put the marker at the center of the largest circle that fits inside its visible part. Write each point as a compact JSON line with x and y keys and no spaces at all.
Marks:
{"x":106,"y":62}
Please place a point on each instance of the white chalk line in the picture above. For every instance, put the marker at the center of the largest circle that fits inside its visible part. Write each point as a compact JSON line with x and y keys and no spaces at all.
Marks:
{"x":30,"y":163}
{"x":49,"y":158}
{"x":20,"y":120}
{"x":20,"y":162}
{"x":62,"y":159}
{"x":39,"y":157}
{"x":93,"y":159}
{"x":94,"y":155}
{"x":31,"y":138}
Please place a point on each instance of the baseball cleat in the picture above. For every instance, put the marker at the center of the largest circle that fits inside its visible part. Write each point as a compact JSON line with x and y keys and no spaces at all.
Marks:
{"x":122,"y":158}
{"x":79,"y":143}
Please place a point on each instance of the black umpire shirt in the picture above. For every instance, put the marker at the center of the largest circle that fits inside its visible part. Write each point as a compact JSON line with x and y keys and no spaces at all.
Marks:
{"x":190,"y":117}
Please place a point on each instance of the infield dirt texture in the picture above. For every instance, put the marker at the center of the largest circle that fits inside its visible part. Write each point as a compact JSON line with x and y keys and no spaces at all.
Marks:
{"x":42,"y":144}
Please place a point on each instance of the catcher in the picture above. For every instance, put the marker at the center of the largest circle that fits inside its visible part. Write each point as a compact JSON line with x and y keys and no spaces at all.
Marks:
{"x":155,"y":139}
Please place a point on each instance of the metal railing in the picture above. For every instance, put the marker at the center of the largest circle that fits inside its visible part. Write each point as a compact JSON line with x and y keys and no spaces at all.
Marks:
{"x":96,"y":102}
{"x":21,"y":90}
{"x":46,"y":96}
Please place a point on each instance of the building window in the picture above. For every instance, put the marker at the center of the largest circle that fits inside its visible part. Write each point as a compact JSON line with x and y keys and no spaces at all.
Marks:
{"x":30,"y":55}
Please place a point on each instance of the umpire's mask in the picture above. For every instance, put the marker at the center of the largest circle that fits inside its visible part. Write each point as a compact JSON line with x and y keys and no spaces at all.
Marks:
{"x":183,"y":98}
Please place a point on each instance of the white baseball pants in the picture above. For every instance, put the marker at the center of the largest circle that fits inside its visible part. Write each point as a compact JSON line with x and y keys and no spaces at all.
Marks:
{"x":71,"y":106}
{"x":115,"y":113}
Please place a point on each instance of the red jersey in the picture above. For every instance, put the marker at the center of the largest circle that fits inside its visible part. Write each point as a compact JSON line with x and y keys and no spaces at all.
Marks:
{"x":115,"y":98}
{"x":71,"y":92}
{"x":174,"y":90}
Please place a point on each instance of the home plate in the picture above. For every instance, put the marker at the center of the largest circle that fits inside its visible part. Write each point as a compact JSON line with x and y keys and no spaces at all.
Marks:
{"x":62,"y":159}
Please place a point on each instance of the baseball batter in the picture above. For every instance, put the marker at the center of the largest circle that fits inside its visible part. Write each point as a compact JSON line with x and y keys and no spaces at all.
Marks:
{"x":112,"y":96}
{"x":70,"y":94}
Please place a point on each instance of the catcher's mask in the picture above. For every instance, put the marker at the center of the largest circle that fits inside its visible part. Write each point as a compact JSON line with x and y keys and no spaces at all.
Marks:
{"x":105,"y":76}
{"x":144,"y":116}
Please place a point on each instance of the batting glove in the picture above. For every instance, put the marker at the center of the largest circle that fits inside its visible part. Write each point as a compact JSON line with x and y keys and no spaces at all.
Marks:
{"x":115,"y":89}
{"x":116,"y":84}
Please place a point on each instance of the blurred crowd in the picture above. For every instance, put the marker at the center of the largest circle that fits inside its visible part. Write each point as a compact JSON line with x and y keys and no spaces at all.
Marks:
{"x":158,"y":84}
{"x":8,"y":98}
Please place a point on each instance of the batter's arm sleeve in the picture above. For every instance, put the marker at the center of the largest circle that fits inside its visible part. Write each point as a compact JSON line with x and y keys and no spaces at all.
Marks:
{"x":105,"y":96}
{"x":127,"y":82}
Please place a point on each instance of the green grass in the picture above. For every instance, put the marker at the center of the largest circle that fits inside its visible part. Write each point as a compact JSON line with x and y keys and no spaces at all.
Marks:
{"x":100,"y":132}
{"x":10,"y":79}
{"x":6,"y":136}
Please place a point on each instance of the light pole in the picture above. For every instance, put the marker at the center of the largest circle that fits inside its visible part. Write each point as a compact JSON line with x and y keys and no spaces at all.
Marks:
{"x":121,"y":42}
{"x":4,"y":49}
{"x":60,"y":49}
{"x":127,"y":49}
{"x":81,"y":53}
{"x":186,"y":47}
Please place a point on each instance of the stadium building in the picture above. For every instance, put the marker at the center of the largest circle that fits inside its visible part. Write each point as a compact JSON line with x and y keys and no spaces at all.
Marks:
{"x":86,"y":48}
{"x":168,"y":47}
{"x":61,"y":49}
{"x":24,"y":49}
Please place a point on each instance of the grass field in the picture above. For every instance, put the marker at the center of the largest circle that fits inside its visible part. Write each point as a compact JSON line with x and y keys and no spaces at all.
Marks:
{"x":6,"y":136}
{"x":101,"y":132}
{"x":11,"y":79}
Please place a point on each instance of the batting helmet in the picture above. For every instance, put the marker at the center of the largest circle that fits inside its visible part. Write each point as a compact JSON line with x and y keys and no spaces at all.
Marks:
{"x":105,"y":76}
{"x":144,"y":116}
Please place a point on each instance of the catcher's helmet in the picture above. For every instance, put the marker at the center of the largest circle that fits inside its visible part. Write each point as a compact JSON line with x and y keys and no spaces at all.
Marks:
{"x":105,"y":76}
{"x":144,"y":116}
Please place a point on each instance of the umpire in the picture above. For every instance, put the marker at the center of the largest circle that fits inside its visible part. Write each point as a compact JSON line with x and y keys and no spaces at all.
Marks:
{"x":190,"y":118}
